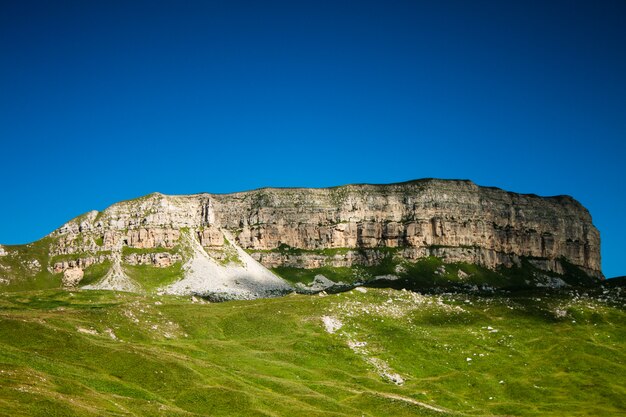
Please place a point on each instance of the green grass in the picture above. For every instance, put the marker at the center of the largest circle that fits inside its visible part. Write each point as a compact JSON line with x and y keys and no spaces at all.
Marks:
{"x":349,"y":275}
{"x":425,"y":273}
{"x":433,"y":273}
{"x":95,"y":272}
{"x":306,"y":276}
{"x":20,"y":275}
{"x":150,"y":278}
{"x":172,"y":357}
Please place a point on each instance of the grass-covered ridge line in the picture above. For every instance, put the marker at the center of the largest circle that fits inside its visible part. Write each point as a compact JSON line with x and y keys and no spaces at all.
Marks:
{"x":99,"y":353}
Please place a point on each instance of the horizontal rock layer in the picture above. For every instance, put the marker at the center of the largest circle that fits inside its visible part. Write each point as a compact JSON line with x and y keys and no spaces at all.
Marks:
{"x":454,"y":220}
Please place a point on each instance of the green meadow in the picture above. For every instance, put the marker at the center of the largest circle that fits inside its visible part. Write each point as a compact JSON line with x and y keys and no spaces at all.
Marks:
{"x":372,"y":352}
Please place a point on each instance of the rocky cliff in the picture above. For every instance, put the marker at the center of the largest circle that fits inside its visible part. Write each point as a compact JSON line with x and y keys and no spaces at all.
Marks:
{"x":340,"y":227}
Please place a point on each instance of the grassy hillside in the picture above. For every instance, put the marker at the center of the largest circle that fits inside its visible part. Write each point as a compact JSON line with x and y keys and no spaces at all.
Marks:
{"x":30,"y":267}
{"x":381,"y":352}
{"x":25,"y":267}
{"x":434,"y":273}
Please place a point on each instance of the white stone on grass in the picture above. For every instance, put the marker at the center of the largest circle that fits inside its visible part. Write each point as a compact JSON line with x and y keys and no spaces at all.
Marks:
{"x":332,"y":324}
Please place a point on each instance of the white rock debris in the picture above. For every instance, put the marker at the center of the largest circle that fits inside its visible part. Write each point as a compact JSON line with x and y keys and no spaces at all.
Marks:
{"x":87,"y":331}
{"x":385,"y":371}
{"x":115,"y":279}
{"x":245,"y":280}
{"x":397,"y":305}
{"x":357,"y":347}
{"x":110,"y":333}
{"x":332,"y":324}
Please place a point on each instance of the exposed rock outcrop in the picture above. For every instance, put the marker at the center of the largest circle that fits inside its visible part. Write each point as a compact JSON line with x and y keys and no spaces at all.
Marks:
{"x":241,"y":279}
{"x":457,"y":219}
{"x":454,"y":220}
{"x":72,"y":276}
{"x":158,"y":259}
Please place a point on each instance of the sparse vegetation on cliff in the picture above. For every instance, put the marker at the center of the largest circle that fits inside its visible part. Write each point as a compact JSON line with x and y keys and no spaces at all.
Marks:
{"x":418,"y":234}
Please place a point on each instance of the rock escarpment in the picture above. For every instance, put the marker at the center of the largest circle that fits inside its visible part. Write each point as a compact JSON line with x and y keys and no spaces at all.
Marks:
{"x":456,"y":221}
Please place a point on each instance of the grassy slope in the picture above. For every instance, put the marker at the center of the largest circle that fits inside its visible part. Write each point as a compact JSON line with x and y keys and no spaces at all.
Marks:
{"x":432,"y":272}
{"x":19,"y":271}
{"x":273,"y":357}
{"x":150,"y":278}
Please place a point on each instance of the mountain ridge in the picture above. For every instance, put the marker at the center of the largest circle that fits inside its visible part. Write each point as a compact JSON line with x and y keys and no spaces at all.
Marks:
{"x":383,"y":229}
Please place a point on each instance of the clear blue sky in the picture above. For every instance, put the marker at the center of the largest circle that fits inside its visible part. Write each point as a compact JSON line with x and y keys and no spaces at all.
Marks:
{"x":108,"y":100}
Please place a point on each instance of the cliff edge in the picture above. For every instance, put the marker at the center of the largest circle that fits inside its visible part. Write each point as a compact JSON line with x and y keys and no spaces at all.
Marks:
{"x":262,"y":242}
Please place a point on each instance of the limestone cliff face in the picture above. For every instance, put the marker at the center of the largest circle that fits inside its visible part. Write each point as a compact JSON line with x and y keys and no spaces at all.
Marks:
{"x":453,"y":220}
